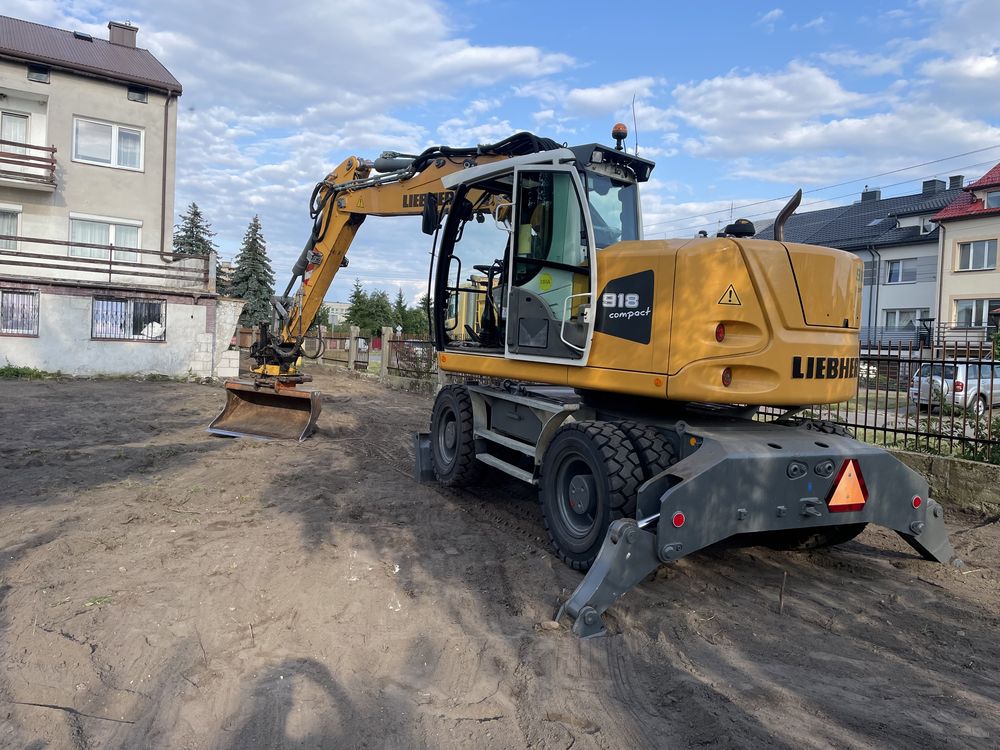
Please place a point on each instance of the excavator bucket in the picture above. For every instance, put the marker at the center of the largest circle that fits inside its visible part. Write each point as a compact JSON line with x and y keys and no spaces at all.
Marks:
{"x":264,"y":412}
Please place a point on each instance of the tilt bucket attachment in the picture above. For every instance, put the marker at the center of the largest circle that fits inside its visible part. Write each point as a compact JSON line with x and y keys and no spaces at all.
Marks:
{"x":267,"y":409}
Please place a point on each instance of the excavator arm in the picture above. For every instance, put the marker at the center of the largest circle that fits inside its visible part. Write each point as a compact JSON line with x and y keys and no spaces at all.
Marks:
{"x":274,"y":403}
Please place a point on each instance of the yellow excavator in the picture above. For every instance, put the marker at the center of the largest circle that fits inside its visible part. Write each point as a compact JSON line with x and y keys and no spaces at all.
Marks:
{"x":623,"y":377}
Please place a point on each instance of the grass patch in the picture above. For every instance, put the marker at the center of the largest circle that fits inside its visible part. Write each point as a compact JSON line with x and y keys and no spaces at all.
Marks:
{"x":22,"y":373}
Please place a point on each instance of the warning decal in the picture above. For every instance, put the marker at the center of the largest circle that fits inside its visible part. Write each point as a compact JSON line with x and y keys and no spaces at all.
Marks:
{"x":730,"y":297}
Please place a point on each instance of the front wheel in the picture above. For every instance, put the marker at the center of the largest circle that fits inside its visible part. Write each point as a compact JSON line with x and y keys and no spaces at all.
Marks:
{"x":589,"y":476}
{"x":453,"y":447}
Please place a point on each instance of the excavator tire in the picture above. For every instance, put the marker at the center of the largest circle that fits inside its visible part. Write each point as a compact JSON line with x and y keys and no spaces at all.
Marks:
{"x":655,"y":453}
{"x":453,"y":448}
{"x":589,"y":475}
{"x":807,"y":539}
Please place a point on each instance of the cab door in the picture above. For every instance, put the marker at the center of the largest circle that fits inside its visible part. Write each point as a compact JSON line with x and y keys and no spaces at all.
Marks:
{"x":552,"y":269}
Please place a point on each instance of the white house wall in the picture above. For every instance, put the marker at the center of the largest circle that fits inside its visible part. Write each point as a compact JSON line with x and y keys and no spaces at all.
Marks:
{"x":195,"y":345}
{"x":87,"y":188}
{"x":907,"y":295}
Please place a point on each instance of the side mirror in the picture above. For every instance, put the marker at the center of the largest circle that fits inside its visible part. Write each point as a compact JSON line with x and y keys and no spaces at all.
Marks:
{"x":430,"y":222}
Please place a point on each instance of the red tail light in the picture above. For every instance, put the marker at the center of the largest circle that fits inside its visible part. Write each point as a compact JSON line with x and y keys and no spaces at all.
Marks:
{"x":959,"y":386}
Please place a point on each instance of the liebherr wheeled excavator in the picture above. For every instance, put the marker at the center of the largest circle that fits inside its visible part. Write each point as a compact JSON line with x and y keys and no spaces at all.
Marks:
{"x":622,"y":376}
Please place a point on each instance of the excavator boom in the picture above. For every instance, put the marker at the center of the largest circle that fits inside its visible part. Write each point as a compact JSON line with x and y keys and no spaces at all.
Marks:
{"x":273,"y":403}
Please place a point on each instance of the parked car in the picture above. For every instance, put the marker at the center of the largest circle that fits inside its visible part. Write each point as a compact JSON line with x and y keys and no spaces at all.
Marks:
{"x":968,"y":385}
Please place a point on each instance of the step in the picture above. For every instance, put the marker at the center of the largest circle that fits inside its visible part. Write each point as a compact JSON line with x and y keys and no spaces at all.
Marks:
{"x":507,"y":442}
{"x":506,"y":468}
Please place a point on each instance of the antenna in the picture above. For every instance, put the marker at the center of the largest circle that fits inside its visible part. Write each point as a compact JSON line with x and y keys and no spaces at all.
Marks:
{"x":635,"y":126}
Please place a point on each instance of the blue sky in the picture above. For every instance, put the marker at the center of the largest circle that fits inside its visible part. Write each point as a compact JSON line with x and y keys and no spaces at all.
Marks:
{"x":738,"y":102}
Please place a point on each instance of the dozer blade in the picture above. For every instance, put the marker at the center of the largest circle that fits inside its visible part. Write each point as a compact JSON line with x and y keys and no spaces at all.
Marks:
{"x":259,"y":411}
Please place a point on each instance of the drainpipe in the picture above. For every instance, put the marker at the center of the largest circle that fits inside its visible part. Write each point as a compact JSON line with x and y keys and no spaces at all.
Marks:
{"x":163,"y":181}
{"x":940,"y":279}
{"x":876,"y":278}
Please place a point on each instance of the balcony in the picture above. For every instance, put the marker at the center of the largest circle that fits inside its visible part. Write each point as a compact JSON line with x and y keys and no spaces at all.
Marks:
{"x":27,"y":166}
{"x":104,"y":265}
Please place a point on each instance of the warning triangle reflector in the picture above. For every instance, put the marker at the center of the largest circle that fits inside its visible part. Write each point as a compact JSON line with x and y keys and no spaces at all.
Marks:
{"x":849,"y":492}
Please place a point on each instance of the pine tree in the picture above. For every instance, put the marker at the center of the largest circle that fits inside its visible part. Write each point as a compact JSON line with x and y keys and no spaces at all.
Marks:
{"x":399,"y":310}
{"x":193,"y":236}
{"x":253,"y":279}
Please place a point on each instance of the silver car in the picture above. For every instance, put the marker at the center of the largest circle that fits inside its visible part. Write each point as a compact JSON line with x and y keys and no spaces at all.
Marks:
{"x":969,"y":385}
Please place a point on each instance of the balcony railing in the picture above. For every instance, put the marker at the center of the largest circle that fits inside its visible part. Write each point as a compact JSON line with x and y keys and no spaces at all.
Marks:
{"x":23,"y":162}
{"x":950,"y":336}
{"x":119,"y":266}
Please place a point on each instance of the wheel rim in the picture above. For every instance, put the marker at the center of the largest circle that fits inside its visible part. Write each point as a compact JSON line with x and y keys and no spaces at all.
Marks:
{"x":980,"y":407}
{"x":448,"y":436}
{"x":576,"y":496}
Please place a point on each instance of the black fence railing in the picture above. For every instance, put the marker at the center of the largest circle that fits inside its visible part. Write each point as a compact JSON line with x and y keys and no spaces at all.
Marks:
{"x":943,"y":400}
{"x":337,"y":349}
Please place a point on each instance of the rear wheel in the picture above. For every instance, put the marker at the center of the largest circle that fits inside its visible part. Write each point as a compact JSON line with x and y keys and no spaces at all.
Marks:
{"x":980,"y":406}
{"x":589,"y":476}
{"x":653,"y":451}
{"x":453,"y":448}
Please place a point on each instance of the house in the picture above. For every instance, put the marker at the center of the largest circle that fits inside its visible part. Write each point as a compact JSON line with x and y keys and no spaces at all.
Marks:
{"x":88,"y":282}
{"x":897,"y":238}
{"x":968,"y":294}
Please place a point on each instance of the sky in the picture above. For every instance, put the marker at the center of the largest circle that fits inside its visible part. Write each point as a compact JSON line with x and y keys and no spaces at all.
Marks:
{"x":739,"y":103}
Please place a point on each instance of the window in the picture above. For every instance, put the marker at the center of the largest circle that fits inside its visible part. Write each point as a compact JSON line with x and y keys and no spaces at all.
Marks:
{"x":18,"y":313}
{"x":104,"y":232}
{"x":901,"y":271}
{"x":993,"y":199}
{"x":8,"y":226}
{"x":107,"y":144}
{"x":977,"y":256}
{"x":975,"y":313}
{"x":138,"y":94}
{"x":38,"y":73}
{"x":906,"y":318}
{"x":128,"y":319}
{"x":14,"y":127}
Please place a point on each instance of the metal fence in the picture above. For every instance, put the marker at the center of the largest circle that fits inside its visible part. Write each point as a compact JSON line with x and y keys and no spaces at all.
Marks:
{"x":362,"y":353}
{"x":943,"y":399}
{"x":337,"y":349}
{"x":410,"y":358}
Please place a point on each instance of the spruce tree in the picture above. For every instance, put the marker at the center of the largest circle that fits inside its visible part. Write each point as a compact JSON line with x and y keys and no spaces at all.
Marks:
{"x":399,"y":310}
{"x":193,"y":236}
{"x":253,"y":279}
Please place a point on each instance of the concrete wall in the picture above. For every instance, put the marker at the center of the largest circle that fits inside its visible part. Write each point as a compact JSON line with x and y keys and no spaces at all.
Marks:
{"x":198,"y":334}
{"x":91,"y":189}
{"x":956,"y":483}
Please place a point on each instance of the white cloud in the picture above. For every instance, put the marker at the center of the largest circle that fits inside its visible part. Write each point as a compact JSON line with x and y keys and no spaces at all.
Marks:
{"x":767,"y":20}
{"x":740,"y":111}
{"x":608,"y":98}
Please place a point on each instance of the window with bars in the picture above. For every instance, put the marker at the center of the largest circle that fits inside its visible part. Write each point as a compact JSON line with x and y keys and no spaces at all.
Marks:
{"x":128,"y":319}
{"x":18,"y":312}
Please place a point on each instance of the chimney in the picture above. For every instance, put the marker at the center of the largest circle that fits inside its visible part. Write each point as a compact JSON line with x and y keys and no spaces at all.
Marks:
{"x":932,"y":186}
{"x":122,"y":34}
{"x":956,"y":181}
{"x":871,"y":195}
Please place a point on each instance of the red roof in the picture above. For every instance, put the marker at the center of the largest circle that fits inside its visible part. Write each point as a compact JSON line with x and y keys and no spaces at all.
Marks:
{"x":23,"y":40}
{"x":967,"y":206}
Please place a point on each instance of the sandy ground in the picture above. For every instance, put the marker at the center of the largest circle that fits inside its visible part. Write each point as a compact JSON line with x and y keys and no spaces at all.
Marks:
{"x":163,"y":588}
